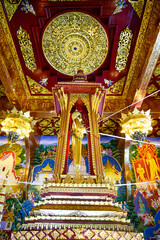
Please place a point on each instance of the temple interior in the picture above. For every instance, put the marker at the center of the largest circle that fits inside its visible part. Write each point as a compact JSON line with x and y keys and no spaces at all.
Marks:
{"x":80,"y":119}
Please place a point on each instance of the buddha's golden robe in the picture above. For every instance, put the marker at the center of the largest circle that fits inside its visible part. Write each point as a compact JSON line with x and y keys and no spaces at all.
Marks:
{"x":77,"y":135}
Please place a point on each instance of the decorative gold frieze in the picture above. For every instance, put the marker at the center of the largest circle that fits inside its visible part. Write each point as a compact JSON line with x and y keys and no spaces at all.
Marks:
{"x":26,"y":49}
{"x":11,"y":7}
{"x":139,"y":44}
{"x":124,"y":45}
{"x":73,"y":39}
{"x":77,"y":231}
{"x":137,"y":6}
{"x":36,"y":88}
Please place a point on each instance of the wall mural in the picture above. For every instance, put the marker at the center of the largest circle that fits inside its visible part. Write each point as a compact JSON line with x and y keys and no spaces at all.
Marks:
{"x":142,"y":208}
{"x":145,"y":171}
{"x":12,"y":166}
{"x":111,"y":160}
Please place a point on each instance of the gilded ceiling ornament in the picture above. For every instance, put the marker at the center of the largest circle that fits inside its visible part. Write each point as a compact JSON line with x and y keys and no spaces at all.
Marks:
{"x":156,"y":72}
{"x":36,"y":88}
{"x":73,"y":39}
{"x":26,"y":49}
{"x":124,"y":45}
{"x":120,"y":4}
{"x":11,"y":7}
{"x":26,"y":7}
{"x":117,"y":87}
{"x":108,"y":82}
{"x":152,"y":88}
{"x":2,"y":91}
{"x":137,"y":6}
{"x":139,"y":44}
{"x":43,"y":81}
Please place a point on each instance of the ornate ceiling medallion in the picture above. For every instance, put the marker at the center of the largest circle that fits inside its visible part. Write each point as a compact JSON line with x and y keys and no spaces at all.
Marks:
{"x":75,"y":39}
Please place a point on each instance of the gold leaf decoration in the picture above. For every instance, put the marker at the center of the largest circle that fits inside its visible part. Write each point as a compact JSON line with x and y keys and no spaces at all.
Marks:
{"x":11,"y":7}
{"x":73,"y":39}
{"x":152,"y":88}
{"x":2,"y":91}
{"x":117,"y":87}
{"x":36,"y":88}
{"x":26,"y":48}
{"x":137,"y":6}
{"x":157,"y":69}
{"x":124,"y":45}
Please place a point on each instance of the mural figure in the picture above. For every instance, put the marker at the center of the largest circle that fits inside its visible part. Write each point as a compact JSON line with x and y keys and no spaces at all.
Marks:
{"x":141,"y":172}
{"x":147,"y":166}
{"x":78,"y":131}
{"x":152,"y":166}
{"x":7,"y":164}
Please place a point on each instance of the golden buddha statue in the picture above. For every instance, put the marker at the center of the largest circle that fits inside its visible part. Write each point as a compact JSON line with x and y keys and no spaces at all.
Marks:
{"x":78,"y":131}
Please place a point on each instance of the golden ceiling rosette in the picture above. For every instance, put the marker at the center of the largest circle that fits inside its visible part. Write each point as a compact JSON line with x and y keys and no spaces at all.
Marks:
{"x":17,"y":124}
{"x":73,"y":39}
{"x":136,"y":124}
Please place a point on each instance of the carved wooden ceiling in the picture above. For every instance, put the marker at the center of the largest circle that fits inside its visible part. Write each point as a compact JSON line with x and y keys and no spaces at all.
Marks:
{"x":129,"y":70}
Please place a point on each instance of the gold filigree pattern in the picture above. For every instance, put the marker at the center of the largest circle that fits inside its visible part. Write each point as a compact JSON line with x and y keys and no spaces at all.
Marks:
{"x":11,"y":7}
{"x":84,"y":232}
{"x":49,"y":126}
{"x":36,"y":88}
{"x":156,"y":72}
{"x":124,"y":45}
{"x":116,"y":88}
{"x":75,"y":38}
{"x":139,"y":44}
{"x":137,"y":6}
{"x":2,"y":91}
{"x":152,"y":88}
{"x":108,"y":126}
{"x":26,"y":48}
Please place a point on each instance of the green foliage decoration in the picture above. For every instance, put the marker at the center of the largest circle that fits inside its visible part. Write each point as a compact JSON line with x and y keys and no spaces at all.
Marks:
{"x":132,"y":215}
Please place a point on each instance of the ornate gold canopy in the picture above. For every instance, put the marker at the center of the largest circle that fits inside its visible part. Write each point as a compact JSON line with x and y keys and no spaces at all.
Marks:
{"x":73,"y":39}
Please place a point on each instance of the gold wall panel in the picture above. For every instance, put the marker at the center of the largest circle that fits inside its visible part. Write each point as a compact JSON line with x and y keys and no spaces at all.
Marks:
{"x":124,"y":45}
{"x":26,"y":49}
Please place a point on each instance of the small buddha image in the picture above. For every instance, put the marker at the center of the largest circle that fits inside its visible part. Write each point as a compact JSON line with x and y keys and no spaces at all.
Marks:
{"x":141,"y":172}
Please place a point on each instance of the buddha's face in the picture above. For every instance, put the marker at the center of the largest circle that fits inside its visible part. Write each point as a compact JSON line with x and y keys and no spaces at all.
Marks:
{"x":149,"y":155}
